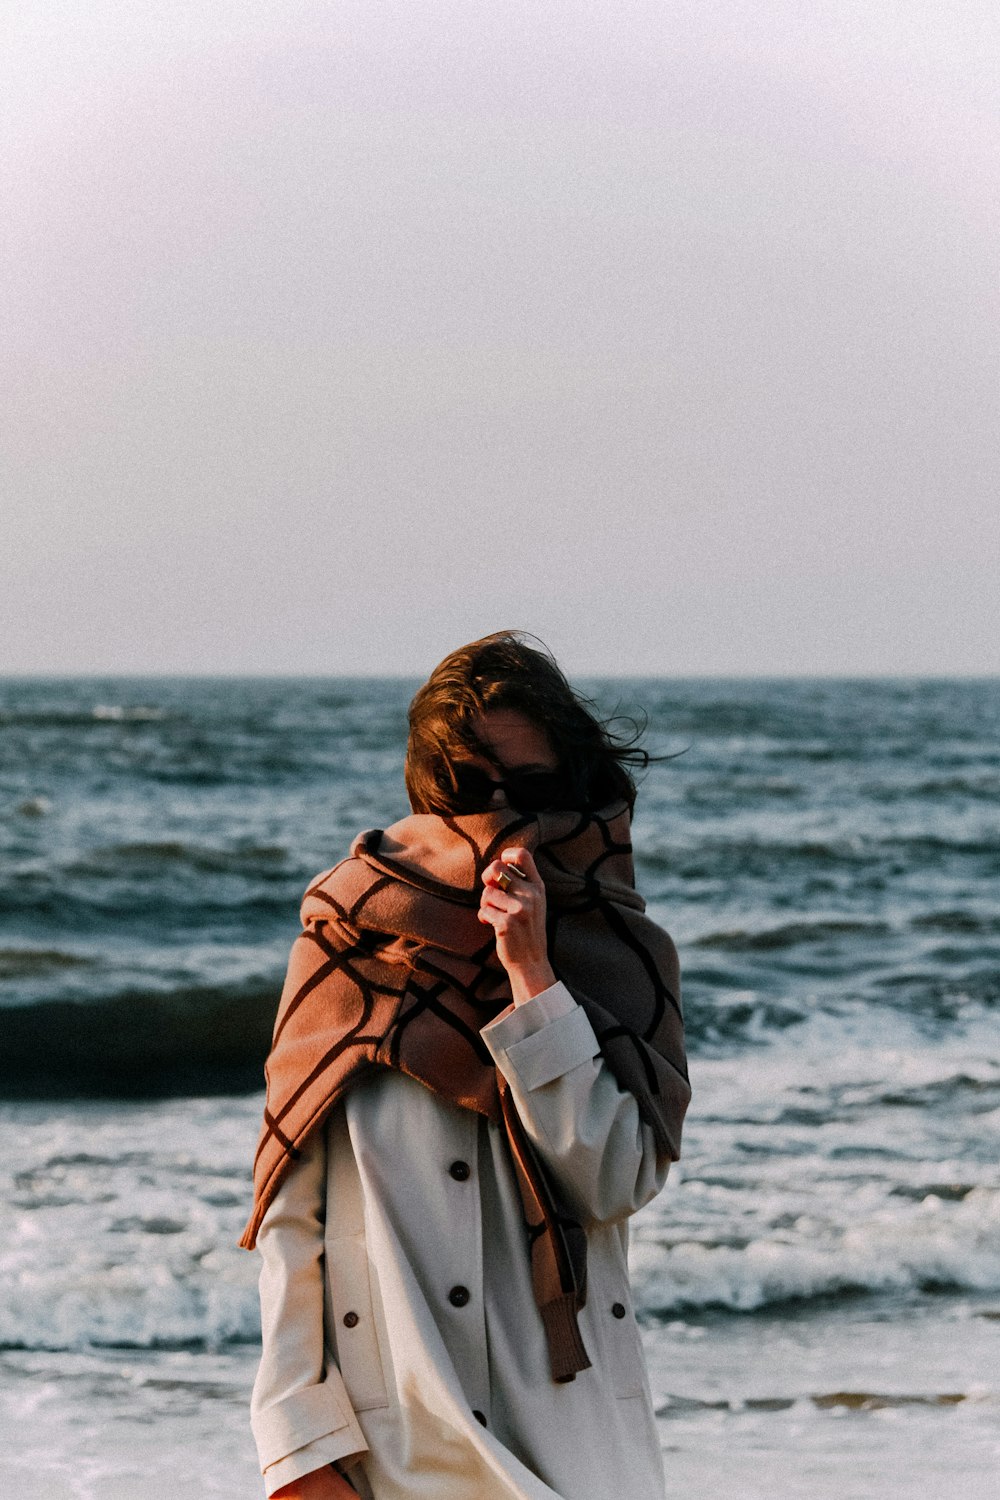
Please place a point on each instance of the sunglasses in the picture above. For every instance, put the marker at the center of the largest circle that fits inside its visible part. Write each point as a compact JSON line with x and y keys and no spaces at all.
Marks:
{"x":526,"y":791}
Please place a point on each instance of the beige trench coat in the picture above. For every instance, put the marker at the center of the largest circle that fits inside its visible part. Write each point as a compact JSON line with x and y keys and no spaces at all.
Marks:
{"x":401,"y":1338}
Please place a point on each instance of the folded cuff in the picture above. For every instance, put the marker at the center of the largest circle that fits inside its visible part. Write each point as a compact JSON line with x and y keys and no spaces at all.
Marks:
{"x":326,"y":1451}
{"x":539,"y":1041}
{"x":519,"y":1021}
{"x":288,"y":1425}
{"x":317,"y":1455}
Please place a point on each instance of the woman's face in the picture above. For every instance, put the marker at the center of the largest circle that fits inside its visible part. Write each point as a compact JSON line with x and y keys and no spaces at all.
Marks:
{"x":517,"y":743}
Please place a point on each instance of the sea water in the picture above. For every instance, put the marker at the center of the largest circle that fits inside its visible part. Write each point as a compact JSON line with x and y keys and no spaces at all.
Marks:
{"x":819,"y":1283}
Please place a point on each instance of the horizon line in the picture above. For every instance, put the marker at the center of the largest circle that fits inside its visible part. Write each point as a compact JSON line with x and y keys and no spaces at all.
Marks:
{"x":396,"y":676}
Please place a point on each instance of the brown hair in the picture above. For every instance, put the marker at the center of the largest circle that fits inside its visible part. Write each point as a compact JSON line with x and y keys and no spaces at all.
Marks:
{"x":503,"y":671}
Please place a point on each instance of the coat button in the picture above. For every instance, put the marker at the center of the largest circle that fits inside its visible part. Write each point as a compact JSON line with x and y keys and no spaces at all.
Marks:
{"x":351,"y":1320}
{"x":618,"y":1310}
{"x":458,"y":1296}
{"x":480,"y":1418}
{"x":460,"y":1171}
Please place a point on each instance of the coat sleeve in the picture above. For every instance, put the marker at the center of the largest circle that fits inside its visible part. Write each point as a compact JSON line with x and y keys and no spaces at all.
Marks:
{"x":586,"y":1129}
{"x":300,"y":1412}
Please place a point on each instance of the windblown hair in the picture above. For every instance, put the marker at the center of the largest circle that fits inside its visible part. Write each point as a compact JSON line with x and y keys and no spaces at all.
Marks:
{"x":503,"y":671}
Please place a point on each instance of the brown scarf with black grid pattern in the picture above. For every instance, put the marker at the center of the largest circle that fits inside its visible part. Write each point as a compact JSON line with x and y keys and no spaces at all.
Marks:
{"x":394,"y":969}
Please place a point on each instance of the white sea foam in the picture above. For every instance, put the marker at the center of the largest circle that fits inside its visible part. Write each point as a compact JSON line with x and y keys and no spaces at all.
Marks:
{"x":122,"y":1225}
{"x":798,"y":1181}
{"x":118,"y":712}
{"x":934,"y":1245}
{"x":150,"y":1304}
{"x":830,"y":1164}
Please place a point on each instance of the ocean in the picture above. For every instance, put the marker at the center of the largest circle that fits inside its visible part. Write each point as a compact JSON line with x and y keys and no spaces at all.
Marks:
{"x":819,"y":1283}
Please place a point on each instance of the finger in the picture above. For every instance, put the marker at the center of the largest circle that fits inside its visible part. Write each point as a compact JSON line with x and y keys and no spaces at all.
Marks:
{"x":521,"y":859}
{"x":520,"y":863}
{"x":510,"y":873}
{"x":518,"y":901}
{"x":496,"y":877}
{"x":499,"y":900}
{"x":495,"y":918}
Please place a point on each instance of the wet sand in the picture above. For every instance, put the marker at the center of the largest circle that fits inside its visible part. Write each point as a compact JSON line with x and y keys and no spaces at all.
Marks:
{"x":858,"y":1402}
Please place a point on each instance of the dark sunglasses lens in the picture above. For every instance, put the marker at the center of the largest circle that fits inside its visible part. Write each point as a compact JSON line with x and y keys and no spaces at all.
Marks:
{"x":474,"y":787}
{"x":534,"y":791}
{"x":525,"y":791}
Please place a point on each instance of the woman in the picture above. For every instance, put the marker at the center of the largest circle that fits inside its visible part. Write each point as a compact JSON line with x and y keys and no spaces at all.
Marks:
{"x":477,"y":1075}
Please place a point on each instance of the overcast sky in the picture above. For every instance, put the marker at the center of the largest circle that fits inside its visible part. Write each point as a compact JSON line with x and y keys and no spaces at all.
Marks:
{"x":335,"y":334}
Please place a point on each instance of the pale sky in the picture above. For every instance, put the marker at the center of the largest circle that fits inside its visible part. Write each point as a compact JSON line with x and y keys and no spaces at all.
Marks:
{"x":336,"y":334}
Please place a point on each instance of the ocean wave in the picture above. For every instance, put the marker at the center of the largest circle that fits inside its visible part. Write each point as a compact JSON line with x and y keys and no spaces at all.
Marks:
{"x":946,"y":1192}
{"x":145,"y":1041}
{"x":34,"y":807}
{"x":83,"y":718}
{"x":918,"y":847}
{"x":713,"y":1018}
{"x":957,"y":920}
{"x":143,"y":1303}
{"x":940,"y":1092}
{"x":140,"y":1044}
{"x":941,"y":1246}
{"x":179,"y":1283}
{"x":215,"y":1038}
{"x":711,"y":855}
{"x":123,"y":713}
{"x":719,"y":791}
{"x":789,"y":935}
{"x":117,"y":902}
{"x":937,"y":994}
{"x":815,"y":752}
{"x":118,"y":859}
{"x":75,"y":1024}
{"x":983,"y":787}
{"x":682,"y":1406}
{"x":27,"y":963}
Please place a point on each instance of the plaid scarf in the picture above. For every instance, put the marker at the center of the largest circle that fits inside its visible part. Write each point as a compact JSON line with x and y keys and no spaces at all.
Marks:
{"x":394,"y":969}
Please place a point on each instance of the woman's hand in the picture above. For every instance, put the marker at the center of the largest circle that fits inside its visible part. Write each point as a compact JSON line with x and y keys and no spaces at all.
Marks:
{"x":517,"y":917}
{"x":321,"y":1484}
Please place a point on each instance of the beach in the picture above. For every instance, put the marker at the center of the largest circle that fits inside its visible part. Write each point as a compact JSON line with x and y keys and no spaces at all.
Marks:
{"x":819,"y":1283}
